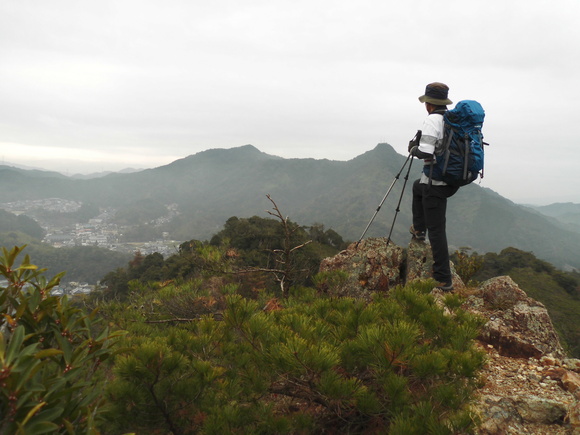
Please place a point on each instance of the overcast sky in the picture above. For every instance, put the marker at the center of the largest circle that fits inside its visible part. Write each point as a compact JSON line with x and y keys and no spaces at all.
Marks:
{"x":88,"y":86}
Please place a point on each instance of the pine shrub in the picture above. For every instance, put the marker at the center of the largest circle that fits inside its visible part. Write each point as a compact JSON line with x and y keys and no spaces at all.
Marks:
{"x":403,"y":363}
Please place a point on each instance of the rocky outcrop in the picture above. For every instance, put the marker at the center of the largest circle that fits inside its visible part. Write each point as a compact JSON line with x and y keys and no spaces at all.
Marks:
{"x":419,"y":264}
{"x":528,"y":396}
{"x":517,"y":325}
{"x":372,"y":266}
{"x":530,"y":385}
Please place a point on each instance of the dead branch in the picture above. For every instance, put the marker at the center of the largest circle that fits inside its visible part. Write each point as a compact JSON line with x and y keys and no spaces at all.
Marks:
{"x":285,"y":273}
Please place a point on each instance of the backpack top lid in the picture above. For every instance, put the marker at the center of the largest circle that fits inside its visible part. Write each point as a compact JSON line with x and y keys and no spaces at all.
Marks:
{"x":466,"y":115}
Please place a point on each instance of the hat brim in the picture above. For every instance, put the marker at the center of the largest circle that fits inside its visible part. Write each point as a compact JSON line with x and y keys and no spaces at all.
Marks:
{"x":435,"y":101}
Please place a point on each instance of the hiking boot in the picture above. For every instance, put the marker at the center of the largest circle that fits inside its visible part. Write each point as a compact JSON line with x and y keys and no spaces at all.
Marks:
{"x":419,"y":235}
{"x":445,"y":287}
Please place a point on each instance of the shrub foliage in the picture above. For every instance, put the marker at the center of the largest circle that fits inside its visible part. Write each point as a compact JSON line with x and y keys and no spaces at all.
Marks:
{"x":50,"y":355}
{"x":205,"y":355}
{"x":405,"y":363}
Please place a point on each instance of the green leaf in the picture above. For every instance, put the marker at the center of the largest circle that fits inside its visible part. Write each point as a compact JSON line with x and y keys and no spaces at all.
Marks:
{"x":50,"y":414}
{"x":21,"y":308}
{"x":65,"y":346}
{"x":38,"y":428}
{"x":34,"y":300}
{"x":14,"y":345}
{"x":104,"y":334}
{"x":27,"y":267}
{"x":28,"y":350}
{"x":2,"y":347}
{"x":69,"y":427}
{"x":27,"y":366}
{"x":32,"y":412}
{"x":55,"y":280}
{"x":48,"y":353}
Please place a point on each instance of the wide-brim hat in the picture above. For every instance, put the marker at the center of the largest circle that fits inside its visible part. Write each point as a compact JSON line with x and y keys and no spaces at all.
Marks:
{"x":436,"y":93}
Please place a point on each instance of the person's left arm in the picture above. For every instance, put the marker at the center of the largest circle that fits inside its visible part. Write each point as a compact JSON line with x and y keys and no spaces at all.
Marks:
{"x":423,"y":145}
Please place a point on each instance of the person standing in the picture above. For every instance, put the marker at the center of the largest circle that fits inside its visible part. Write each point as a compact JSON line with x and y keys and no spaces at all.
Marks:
{"x":430,"y":194}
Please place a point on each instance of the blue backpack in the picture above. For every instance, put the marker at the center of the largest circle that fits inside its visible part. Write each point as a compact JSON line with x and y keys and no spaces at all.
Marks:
{"x":460,"y":159}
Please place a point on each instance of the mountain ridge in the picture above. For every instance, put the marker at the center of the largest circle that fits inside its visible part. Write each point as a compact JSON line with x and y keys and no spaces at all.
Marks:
{"x":211,"y":186}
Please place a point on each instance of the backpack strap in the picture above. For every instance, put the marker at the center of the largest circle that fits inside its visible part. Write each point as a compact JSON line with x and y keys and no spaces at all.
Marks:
{"x":434,"y":158}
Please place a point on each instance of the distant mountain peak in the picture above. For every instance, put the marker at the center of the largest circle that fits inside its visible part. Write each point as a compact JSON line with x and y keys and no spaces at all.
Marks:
{"x":236,"y":154}
{"x":248,"y":148}
{"x":244,"y":150}
{"x":382,"y":148}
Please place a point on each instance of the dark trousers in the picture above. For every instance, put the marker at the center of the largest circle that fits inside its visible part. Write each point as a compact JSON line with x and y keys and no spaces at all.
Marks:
{"x":429,"y":207}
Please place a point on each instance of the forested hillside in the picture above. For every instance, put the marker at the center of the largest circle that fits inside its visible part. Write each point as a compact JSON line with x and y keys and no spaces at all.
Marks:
{"x":566,"y":213}
{"x":81,"y":263}
{"x":210,"y":187}
{"x":11,"y":223}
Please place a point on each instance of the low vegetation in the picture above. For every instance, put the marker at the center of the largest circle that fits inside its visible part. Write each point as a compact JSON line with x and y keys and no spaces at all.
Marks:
{"x":51,"y":355}
{"x":240,"y":334}
{"x":199,"y":355}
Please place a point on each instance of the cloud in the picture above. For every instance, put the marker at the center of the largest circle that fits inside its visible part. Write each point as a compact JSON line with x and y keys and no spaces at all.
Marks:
{"x":296,"y":78}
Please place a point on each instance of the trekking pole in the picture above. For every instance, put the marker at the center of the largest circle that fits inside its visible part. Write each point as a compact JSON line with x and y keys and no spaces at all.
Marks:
{"x":385,"y":197}
{"x":399,"y":204}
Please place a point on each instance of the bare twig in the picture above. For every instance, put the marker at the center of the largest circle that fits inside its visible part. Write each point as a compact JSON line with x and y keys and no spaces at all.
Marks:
{"x":286,"y":271}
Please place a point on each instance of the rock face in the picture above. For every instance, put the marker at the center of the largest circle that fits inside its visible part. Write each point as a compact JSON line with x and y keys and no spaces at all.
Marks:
{"x":518,"y":326}
{"x":528,"y":396}
{"x":419,"y":261}
{"x":375,"y":266}
{"x":530,"y":385}
{"x":372,"y":266}
{"x":419,"y":264}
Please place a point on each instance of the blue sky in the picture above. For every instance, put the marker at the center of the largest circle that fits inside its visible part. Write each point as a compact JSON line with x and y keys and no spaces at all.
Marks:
{"x":104,"y":85}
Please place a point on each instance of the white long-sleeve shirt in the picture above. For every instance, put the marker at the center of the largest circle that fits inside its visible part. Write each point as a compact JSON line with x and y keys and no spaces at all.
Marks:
{"x":431,"y":139}
{"x":431,"y":133}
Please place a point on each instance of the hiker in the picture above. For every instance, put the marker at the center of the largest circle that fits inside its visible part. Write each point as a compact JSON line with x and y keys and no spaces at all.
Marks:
{"x":430,"y":193}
